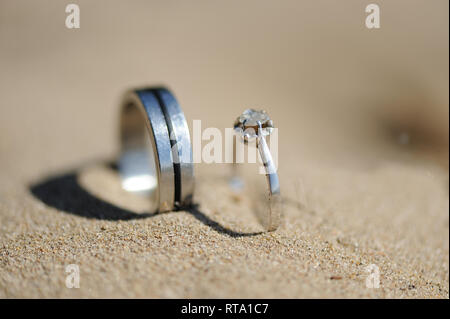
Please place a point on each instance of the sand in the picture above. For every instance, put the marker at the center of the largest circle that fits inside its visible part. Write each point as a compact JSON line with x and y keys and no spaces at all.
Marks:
{"x":363,"y":160}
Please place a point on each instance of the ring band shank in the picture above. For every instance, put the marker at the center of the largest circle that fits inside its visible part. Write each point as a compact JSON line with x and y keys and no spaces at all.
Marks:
{"x":275,"y":202}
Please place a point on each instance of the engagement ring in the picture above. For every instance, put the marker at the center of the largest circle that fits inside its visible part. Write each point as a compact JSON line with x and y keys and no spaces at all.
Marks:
{"x":253,"y":124}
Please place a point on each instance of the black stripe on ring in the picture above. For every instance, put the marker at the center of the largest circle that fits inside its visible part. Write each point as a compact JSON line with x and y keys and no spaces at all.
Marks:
{"x":174,"y":146}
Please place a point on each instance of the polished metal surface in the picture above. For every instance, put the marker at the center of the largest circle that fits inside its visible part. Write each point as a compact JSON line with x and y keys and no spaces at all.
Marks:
{"x":275,"y":202}
{"x":146,"y":162}
{"x":181,"y":146}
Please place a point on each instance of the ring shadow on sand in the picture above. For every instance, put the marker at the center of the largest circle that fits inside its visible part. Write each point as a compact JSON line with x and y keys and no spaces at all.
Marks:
{"x":64,"y":193}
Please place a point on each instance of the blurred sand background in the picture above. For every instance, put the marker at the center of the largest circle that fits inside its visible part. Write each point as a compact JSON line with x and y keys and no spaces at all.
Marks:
{"x":363,"y":162}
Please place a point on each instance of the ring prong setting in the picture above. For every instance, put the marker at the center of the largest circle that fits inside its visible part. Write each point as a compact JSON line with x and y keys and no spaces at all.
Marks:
{"x":253,"y":123}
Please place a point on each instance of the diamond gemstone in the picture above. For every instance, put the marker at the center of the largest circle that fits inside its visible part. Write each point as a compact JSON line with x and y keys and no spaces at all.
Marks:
{"x":247,"y":123}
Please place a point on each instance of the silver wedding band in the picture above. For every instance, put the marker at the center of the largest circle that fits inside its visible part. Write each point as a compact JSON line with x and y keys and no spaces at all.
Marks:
{"x":156,"y":151}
